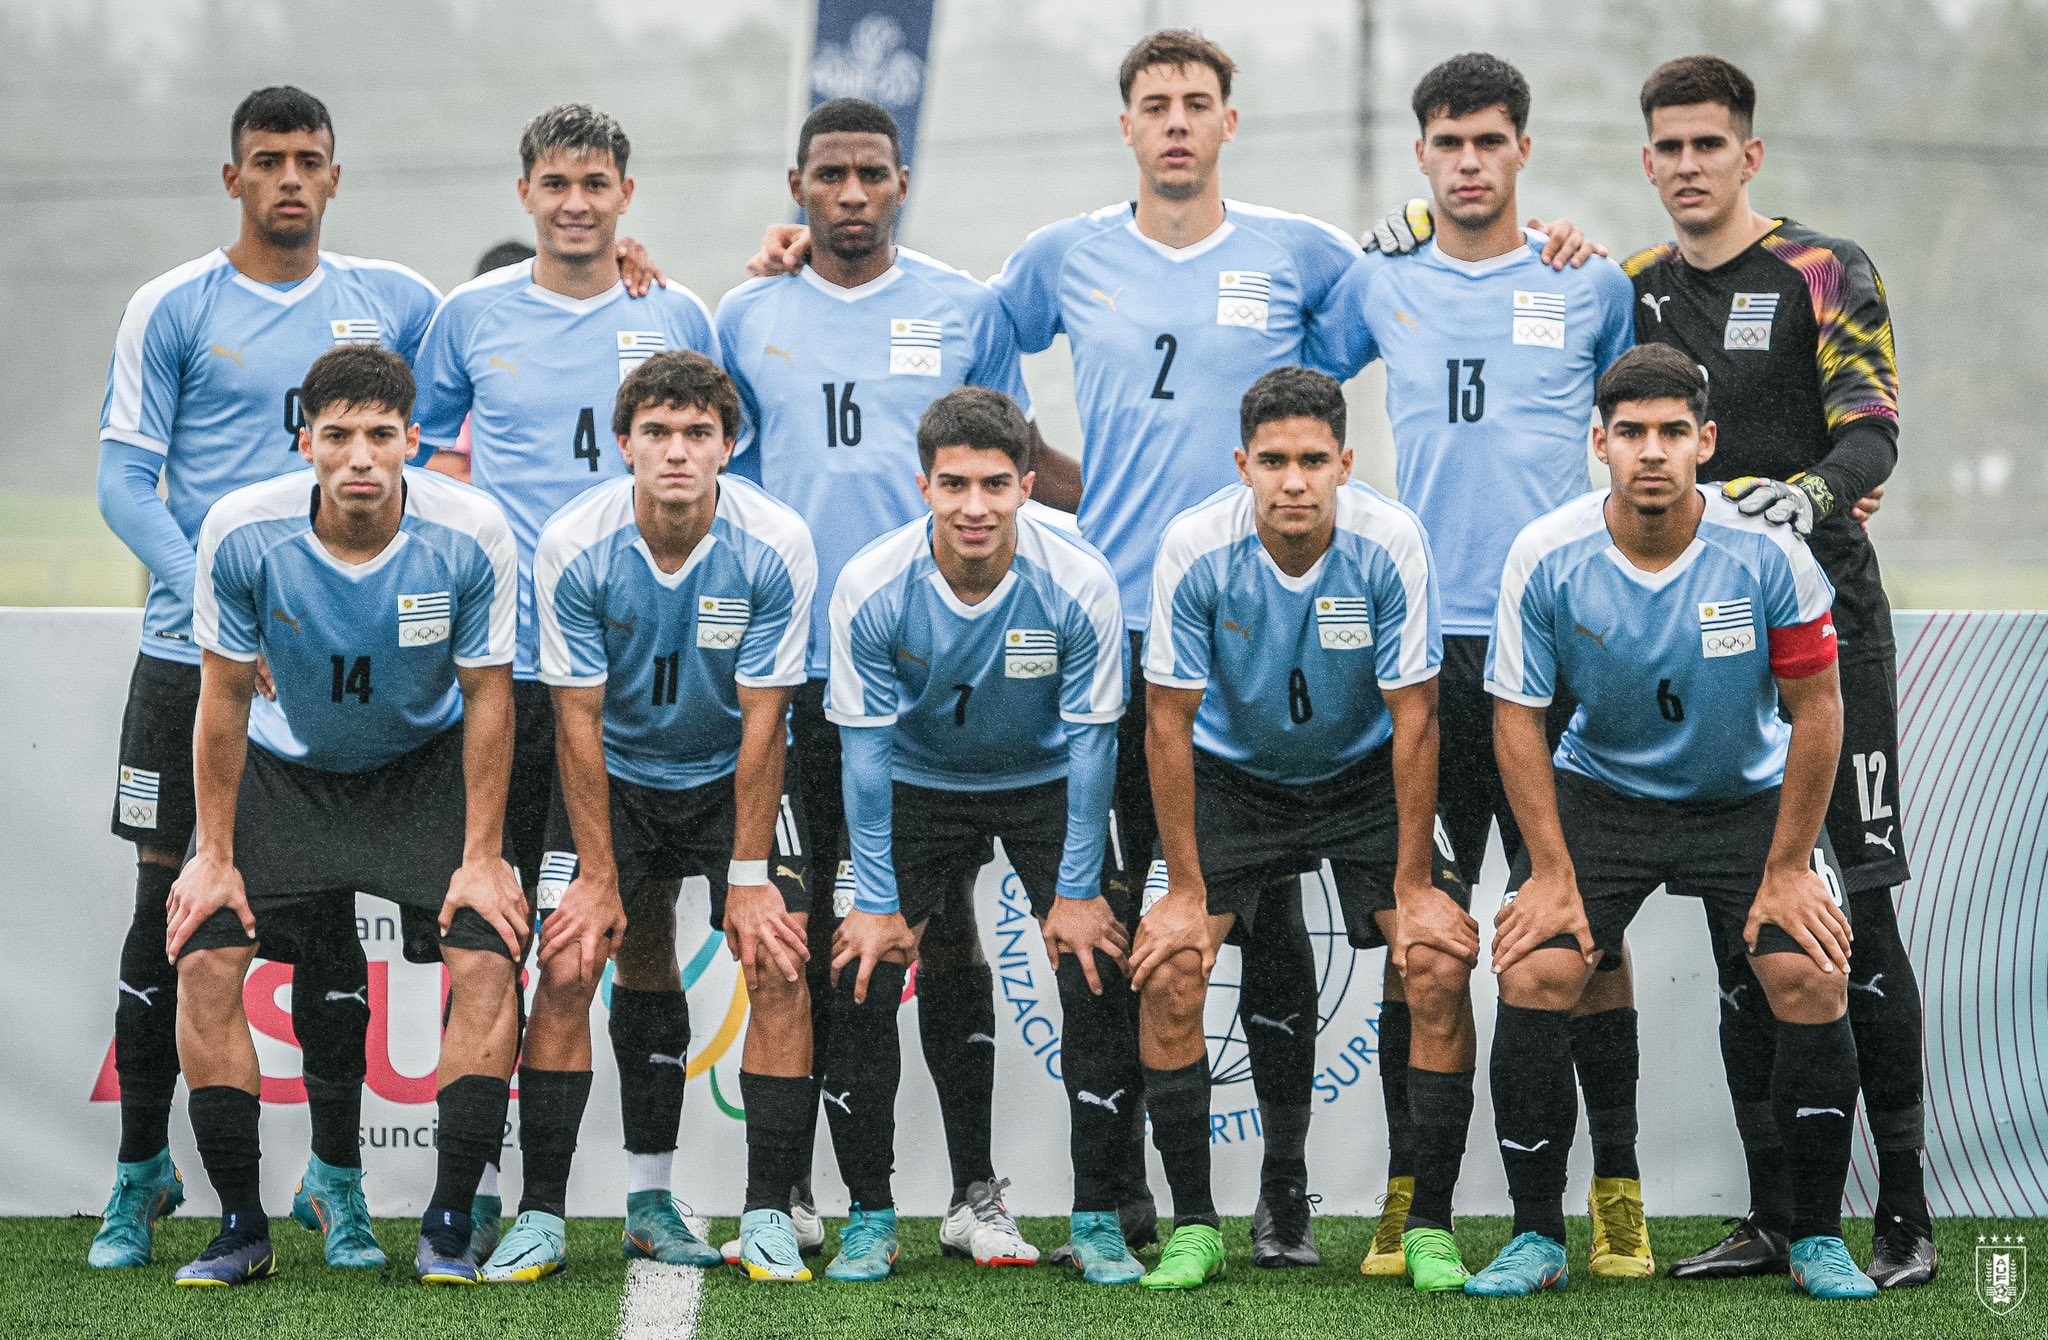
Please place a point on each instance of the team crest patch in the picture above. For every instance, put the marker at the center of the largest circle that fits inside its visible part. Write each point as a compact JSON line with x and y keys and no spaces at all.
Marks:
{"x":1539,"y":319}
{"x":1243,"y":298}
{"x":721,"y":621}
{"x":1030,"y":653}
{"x":136,"y":795}
{"x":2001,"y":1271}
{"x":916,"y":346}
{"x":1749,"y":322}
{"x":636,"y":347}
{"x":356,"y":330}
{"x":1344,"y":623}
{"x":557,"y":870}
{"x":1727,"y":628}
{"x":423,"y":619}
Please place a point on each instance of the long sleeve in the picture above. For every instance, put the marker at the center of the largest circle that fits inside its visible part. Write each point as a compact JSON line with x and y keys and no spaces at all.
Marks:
{"x":134,"y":512}
{"x":871,"y":813}
{"x":1091,"y":782}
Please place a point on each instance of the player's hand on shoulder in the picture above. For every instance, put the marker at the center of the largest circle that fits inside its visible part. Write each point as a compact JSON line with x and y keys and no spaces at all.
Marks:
{"x":865,"y":939}
{"x":587,"y":925}
{"x":784,"y":249}
{"x":1401,"y":231}
{"x":1426,"y":915}
{"x":1568,"y":244}
{"x":1176,"y":924}
{"x":1796,"y":901}
{"x":1795,"y":502}
{"x":488,"y":887}
{"x":206,"y":885}
{"x":1546,"y":906}
{"x":265,"y":685}
{"x":1082,"y":927}
{"x":638,"y":269}
{"x":762,"y":934}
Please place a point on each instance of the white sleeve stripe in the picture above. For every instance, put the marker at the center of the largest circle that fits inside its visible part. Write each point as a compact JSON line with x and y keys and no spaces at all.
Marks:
{"x":1190,"y":537}
{"x":1525,"y":699}
{"x":1167,"y":681}
{"x":1397,"y":533}
{"x":1092,"y":718}
{"x":780,"y":528}
{"x":868,"y":573}
{"x":342,"y":262}
{"x":1268,"y":212}
{"x":573,"y":681}
{"x":1539,"y":539}
{"x":124,"y":406}
{"x":1087,"y":580}
{"x":838,"y":718}
{"x":485,"y":661}
{"x":243,"y":657}
{"x":1422,"y":676}
{"x":135,"y":439}
{"x":774,"y":681}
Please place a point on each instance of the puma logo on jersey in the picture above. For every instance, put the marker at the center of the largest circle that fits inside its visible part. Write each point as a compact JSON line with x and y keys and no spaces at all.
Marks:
{"x":1106,"y":299}
{"x":1818,"y":1112}
{"x":1656,"y":305}
{"x":838,"y":1100}
{"x":1407,"y":320}
{"x":355,"y":995}
{"x":1233,"y":626}
{"x":235,"y":354}
{"x":679,"y":1062}
{"x":788,"y":356}
{"x":1874,"y":840}
{"x":623,"y":625}
{"x":143,"y":995}
{"x":912,"y":656}
{"x":510,"y":367}
{"x":286,"y":619}
{"x":1584,"y":631}
{"x":1094,"y":1100}
{"x":1284,"y":1025}
{"x":1523,"y":1149}
{"x":1871,"y":986}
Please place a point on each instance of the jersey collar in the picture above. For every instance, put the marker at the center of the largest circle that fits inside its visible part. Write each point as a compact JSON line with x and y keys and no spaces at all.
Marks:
{"x":673,"y":580}
{"x":1491,"y":265}
{"x":858,"y":291}
{"x":356,"y":572}
{"x":578,"y":306}
{"x":1655,"y":581}
{"x":290,"y":297}
{"x":1182,"y":255}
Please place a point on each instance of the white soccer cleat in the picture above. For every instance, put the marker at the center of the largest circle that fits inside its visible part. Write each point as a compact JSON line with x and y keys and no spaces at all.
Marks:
{"x":980,"y":1228}
{"x":803,"y":1216}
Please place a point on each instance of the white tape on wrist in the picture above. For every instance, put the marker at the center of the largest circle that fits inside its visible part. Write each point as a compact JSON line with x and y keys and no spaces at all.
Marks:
{"x":745,"y":874}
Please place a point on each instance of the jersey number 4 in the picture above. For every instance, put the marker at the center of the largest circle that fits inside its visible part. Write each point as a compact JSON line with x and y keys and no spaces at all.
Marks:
{"x":584,"y":446}
{"x":351,"y":678}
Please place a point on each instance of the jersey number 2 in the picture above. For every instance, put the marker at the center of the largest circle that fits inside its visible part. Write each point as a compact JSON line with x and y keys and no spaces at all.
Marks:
{"x":1168,"y":346}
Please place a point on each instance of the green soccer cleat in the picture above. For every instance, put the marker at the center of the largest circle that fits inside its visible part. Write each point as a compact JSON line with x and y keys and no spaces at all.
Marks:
{"x":330,"y":1201}
{"x":1529,"y":1265}
{"x":1823,"y":1268}
{"x":1096,"y":1248}
{"x":655,"y":1231}
{"x":143,"y":1193}
{"x":768,"y":1250}
{"x":486,"y":1226}
{"x":536,"y":1247}
{"x":1193,"y":1257}
{"x":1433,"y":1260}
{"x":867,"y":1248}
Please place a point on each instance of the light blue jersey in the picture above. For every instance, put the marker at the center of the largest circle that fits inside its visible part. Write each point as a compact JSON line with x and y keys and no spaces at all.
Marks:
{"x":205,"y":375}
{"x":364,"y":655}
{"x":834,"y":381}
{"x":673,"y":649}
{"x":1018,"y":690}
{"x":537,"y":374}
{"x":1672,"y":669}
{"x":1292,"y":668}
{"x":1491,"y":367}
{"x":1165,"y":344}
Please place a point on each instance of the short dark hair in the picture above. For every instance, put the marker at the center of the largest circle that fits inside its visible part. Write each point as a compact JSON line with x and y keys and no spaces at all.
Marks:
{"x":1652,"y":372}
{"x":357,"y":374}
{"x":854,"y":116}
{"x":504,"y":254}
{"x":576,"y":128}
{"x":677,"y":379}
{"x":1180,"y":48}
{"x":976,"y":417}
{"x":1696,"y":79}
{"x":1291,"y":393}
{"x":279,"y":109}
{"x":1472,"y":83}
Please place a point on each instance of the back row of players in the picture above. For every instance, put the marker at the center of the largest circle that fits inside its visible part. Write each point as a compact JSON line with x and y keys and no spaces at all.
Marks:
{"x":646,"y":604}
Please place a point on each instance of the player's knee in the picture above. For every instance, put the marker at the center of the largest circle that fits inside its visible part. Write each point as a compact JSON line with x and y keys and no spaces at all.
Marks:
{"x":776,"y":1000}
{"x":1800,"y":992}
{"x":1545,"y":980}
{"x":1177,"y":989}
{"x":480,"y":981}
{"x":210,"y":986}
{"x":561,"y":989}
{"x":1436,"y":982}
{"x":1609,"y":989}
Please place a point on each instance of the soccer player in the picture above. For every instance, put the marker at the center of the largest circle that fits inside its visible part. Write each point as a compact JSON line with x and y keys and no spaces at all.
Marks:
{"x":977,"y":677}
{"x":1792,"y":328}
{"x":1492,"y":358}
{"x":203,"y":394}
{"x":384,"y":601}
{"x":674,"y":618}
{"x":1293,"y":672}
{"x":453,"y":460}
{"x":1685,"y":628}
{"x":884,"y":331}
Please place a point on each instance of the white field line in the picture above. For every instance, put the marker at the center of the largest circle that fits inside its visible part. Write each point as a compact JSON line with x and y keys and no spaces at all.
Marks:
{"x":661,"y":1302}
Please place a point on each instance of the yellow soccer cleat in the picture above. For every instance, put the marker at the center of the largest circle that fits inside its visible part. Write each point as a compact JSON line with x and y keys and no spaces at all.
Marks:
{"x":1387,"y":1259}
{"x":1621,"y":1235}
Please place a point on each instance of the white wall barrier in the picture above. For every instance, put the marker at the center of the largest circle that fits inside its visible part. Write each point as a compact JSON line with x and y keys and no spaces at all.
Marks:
{"x":1974,"y":763}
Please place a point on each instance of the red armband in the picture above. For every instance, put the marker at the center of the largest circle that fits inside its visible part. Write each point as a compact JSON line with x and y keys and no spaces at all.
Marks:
{"x":1803,"y":649}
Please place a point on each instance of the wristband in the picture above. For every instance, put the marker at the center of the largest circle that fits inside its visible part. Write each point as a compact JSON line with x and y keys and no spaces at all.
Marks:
{"x":744,"y":874}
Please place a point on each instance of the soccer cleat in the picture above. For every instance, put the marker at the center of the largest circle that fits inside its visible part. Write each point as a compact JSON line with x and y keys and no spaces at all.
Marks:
{"x":768,"y":1250}
{"x":1193,"y":1257}
{"x":1621,"y":1235}
{"x":330,"y":1202}
{"x":535,"y":1248}
{"x":655,"y":1231}
{"x":979,"y":1228}
{"x":233,"y":1257}
{"x":1433,"y":1260}
{"x":1282,"y":1235}
{"x":1386,"y":1258}
{"x":487,"y":1225}
{"x":443,"y":1256}
{"x":804,"y":1222}
{"x":1823,"y":1268}
{"x":1529,"y":1265}
{"x":1095,"y":1246}
{"x":143,"y":1193}
{"x":1902,"y":1253}
{"x":1748,"y":1249}
{"x":867,"y":1248}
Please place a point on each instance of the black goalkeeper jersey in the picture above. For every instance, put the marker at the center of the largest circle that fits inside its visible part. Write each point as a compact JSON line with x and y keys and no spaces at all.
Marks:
{"x":1796,"y":341}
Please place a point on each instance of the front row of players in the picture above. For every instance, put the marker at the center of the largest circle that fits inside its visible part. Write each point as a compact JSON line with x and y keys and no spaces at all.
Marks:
{"x":977,"y":676}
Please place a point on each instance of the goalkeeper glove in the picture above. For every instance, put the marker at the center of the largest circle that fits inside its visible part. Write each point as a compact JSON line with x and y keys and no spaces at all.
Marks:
{"x":1402,"y":231}
{"x":1798,"y":502}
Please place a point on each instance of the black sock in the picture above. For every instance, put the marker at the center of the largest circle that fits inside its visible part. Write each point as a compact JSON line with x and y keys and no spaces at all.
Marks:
{"x":469,"y":1134}
{"x":331,"y":1015}
{"x":224,"y":1126}
{"x":818,"y":976}
{"x":1813,"y":1088}
{"x":1179,"y":1100}
{"x":650,"y":1033}
{"x":1099,"y":1066}
{"x":1277,"y":1007}
{"x":1605,"y":1050}
{"x":1535,"y":1112}
{"x":146,"y":1020}
{"x":1749,"y":1049}
{"x":1885,"y":1013}
{"x":551,"y":1106}
{"x":780,"y":1113}
{"x":956,"y":1024}
{"x":1441,"y":1107}
{"x":1137,"y":1176}
{"x":1397,"y":1029}
{"x":861,"y":1077}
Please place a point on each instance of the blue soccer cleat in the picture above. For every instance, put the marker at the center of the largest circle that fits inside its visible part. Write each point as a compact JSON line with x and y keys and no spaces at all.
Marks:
{"x":1823,"y":1268}
{"x":536,"y":1247}
{"x":655,"y":1231}
{"x":867,"y":1248}
{"x":768,"y":1249}
{"x":235,"y":1256}
{"x":1529,"y":1265}
{"x":443,"y":1257}
{"x":143,"y":1193}
{"x":487,"y":1225}
{"x":330,"y":1201}
{"x":1096,"y":1248}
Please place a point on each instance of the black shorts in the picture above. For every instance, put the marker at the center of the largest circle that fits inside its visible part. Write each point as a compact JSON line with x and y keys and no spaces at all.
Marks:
{"x":660,"y":838}
{"x":286,"y":928}
{"x":1863,"y":815}
{"x":1470,"y":795}
{"x":533,"y":777}
{"x":1623,"y":847}
{"x":941,"y":839}
{"x":1250,"y":832}
{"x":153,"y":800}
